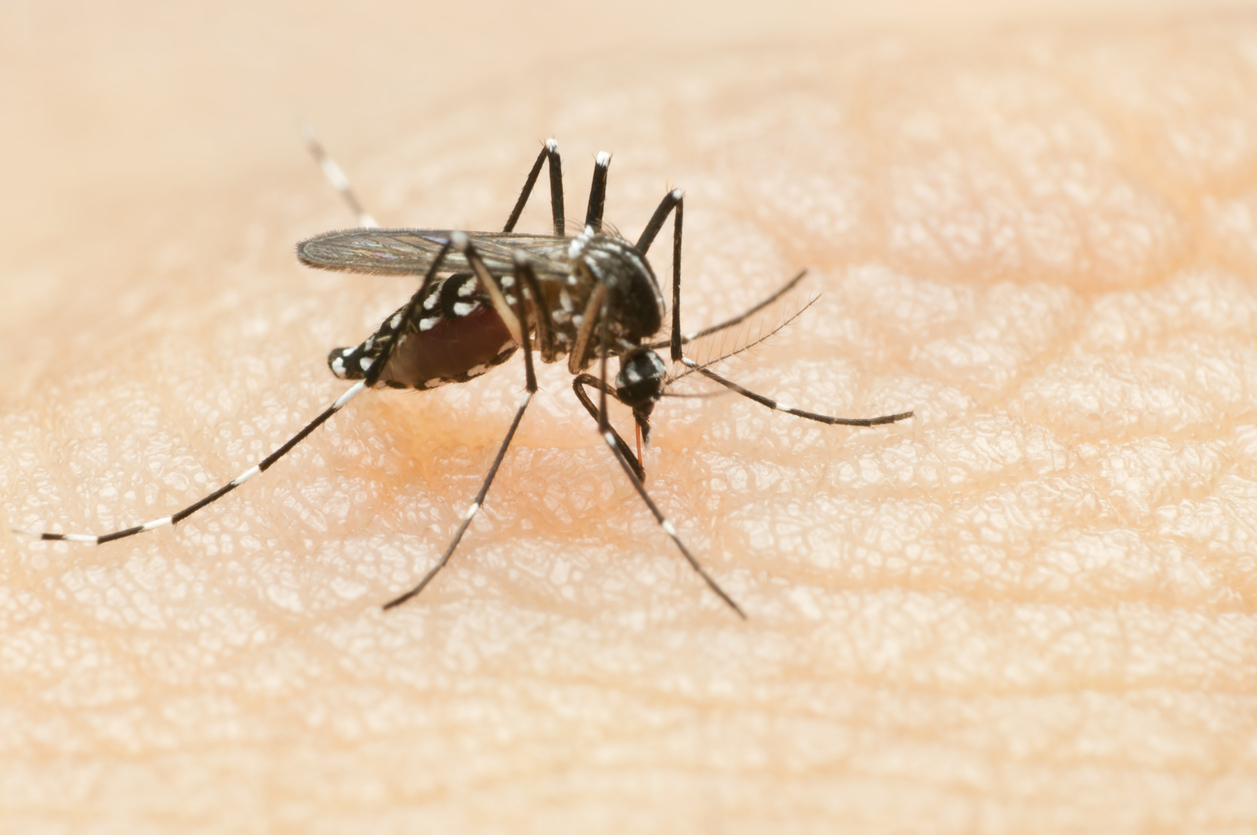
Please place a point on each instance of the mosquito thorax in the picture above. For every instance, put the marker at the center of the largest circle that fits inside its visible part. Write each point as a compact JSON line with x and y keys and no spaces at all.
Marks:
{"x":637,"y":304}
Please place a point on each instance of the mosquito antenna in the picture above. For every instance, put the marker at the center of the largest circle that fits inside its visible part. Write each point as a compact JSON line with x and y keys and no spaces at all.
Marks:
{"x":759,"y":340}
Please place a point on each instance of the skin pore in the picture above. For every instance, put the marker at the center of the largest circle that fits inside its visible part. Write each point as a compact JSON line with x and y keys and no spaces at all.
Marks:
{"x":1029,"y":608}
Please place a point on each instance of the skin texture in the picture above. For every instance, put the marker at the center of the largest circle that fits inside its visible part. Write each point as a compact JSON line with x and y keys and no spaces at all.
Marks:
{"x":1031,"y":608}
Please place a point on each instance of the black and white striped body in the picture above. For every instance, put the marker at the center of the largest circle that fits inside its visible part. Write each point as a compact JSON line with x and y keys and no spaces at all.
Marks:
{"x":451,"y":332}
{"x":453,"y":337}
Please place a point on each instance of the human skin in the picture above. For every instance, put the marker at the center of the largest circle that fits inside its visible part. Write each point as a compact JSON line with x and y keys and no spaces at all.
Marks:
{"x":1030,"y":608}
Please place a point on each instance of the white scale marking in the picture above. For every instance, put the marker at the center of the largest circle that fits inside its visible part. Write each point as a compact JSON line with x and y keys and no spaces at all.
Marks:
{"x":334,"y":173}
{"x":578,"y":243}
{"x":429,"y":323}
{"x":352,"y":392}
{"x":464,"y":308}
{"x":245,"y":476}
{"x":77,"y":537}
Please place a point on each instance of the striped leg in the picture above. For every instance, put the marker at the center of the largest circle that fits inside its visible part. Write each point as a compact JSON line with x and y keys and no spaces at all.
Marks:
{"x":550,"y":154}
{"x":336,"y":176}
{"x":579,"y":384}
{"x":261,"y":467}
{"x":778,"y":406}
{"x":530,"y":385}
{"x":373,"y":374}
{"x":616,"y":444}
{"x":598,"y":193}
{"x":675,"y":200}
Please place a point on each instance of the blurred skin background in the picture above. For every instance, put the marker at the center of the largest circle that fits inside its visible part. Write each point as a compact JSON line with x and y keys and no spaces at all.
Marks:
{"x":1028,"y":609}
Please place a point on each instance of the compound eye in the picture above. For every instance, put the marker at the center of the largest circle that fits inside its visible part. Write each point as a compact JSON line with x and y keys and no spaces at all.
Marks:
{"x":641,"y":378}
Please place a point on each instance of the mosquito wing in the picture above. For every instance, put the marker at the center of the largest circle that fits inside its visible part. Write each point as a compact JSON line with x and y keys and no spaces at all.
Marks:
{"x":411,"y":251}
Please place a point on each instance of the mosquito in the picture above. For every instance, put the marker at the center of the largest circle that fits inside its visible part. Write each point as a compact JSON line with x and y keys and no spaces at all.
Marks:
{"x":483,"y":296}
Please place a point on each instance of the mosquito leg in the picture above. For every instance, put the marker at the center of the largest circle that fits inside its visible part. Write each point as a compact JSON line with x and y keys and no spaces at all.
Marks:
{"x":615,"y":443}
{"x":261,"y":467}
{"x":389,"y":336}
{"x":462,"y":244}
{"x":549,"y":153}
{"x":674,"y":200}
{"x":530,"y":384}
{"x":336,"y":176}
{"x":527,"y":277}
{"x":778,"y":406}
{"x":578,"y":385}
{"x":523,"y":268}
{"x":386,"y":334}
{"x":471,"y":511}
{"x":585,"y":332}
{"x":666,"y":205}
{"x":598,"y":193}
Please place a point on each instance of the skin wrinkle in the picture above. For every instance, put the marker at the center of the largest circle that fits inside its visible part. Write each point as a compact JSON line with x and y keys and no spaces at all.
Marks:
{"x":1028,"y":609}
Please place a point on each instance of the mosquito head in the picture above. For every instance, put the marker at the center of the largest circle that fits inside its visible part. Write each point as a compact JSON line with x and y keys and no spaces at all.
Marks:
{"x":641,"y":378}
{"x":640,"y":383}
